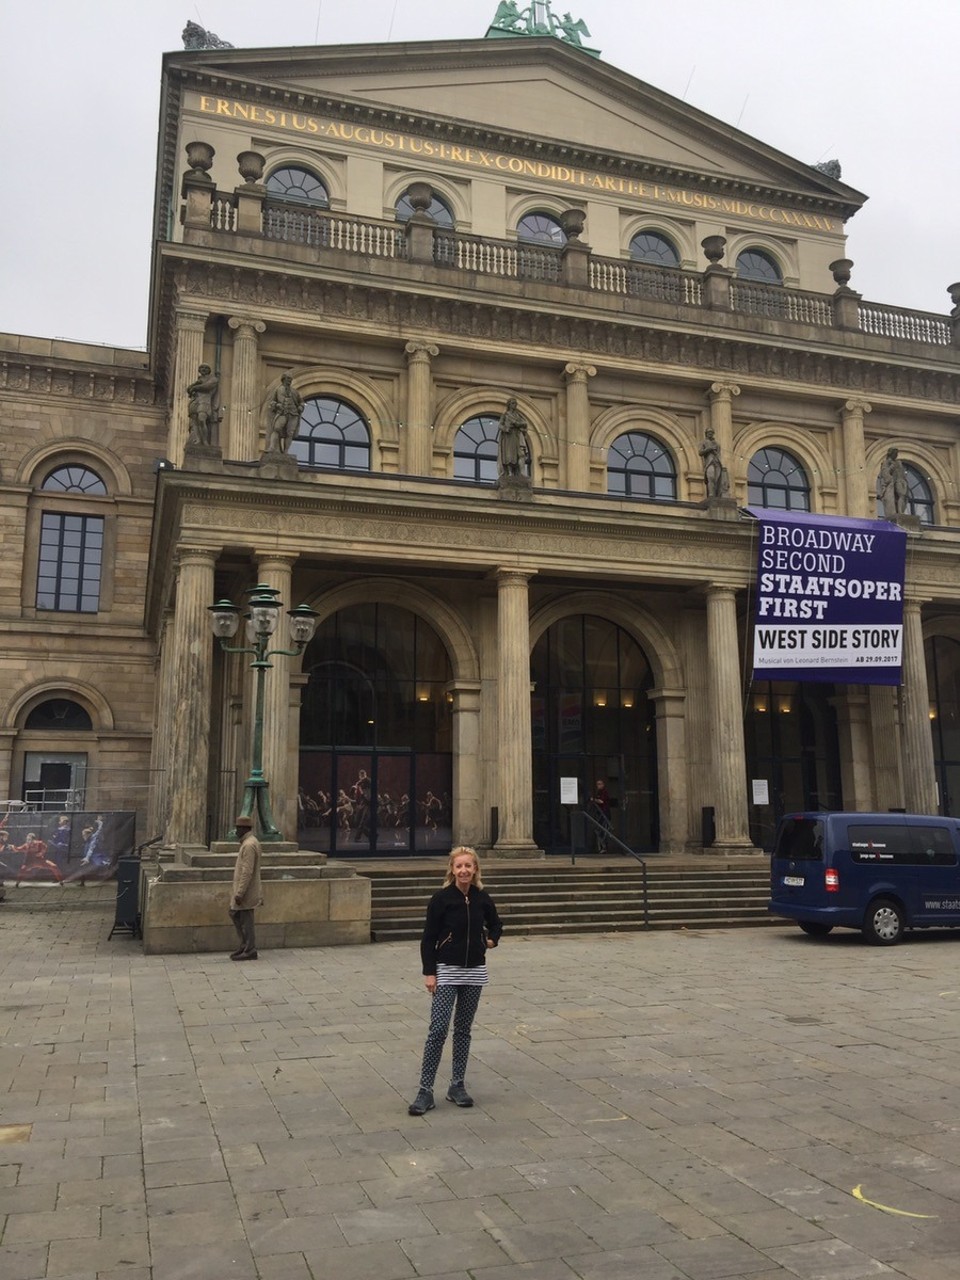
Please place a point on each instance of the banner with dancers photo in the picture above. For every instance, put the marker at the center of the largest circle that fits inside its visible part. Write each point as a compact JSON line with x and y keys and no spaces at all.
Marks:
{"x":63,"y":848}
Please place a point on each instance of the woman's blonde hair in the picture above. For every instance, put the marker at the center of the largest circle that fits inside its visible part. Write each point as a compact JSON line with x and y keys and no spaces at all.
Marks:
{"x":458,"y":853}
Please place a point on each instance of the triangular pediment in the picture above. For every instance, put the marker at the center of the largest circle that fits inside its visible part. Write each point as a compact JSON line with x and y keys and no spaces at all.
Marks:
{"x":537,"y":88}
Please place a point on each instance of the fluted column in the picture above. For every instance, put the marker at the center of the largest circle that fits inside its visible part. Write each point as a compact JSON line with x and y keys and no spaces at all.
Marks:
{"x":919,"y":773}
{"x":726,"y":722}
{"x":189,"y":755}
{"x":7,"y":739}
{"x":467,"y":782}
{"x":419,"y":423}
{"x":277,"y":572}
{"x":577,"y":459}
{"x":515,"y":790}
{"x":243,"y":438}
{"x":158,"y":812}
{"x":190,"y":329}
{"x":721,"y":396}
{"x":854,"y":459}
{"x":884,"y":702}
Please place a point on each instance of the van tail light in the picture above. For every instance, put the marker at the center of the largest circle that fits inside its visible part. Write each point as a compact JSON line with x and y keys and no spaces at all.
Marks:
{"x":831,"y":881}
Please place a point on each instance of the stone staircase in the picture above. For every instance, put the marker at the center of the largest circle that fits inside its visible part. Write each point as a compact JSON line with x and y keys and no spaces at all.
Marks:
{"x":547,"y":899}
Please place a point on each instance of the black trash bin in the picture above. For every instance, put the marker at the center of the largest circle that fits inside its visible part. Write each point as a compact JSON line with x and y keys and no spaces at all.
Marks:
{"x":127,"y":916}
{"x":708,"y":826}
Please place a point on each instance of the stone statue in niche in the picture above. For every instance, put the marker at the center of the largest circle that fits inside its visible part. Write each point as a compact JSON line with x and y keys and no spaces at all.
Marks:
{"x":203,"y":409}
{"x":892,"y":486}
{"x":715,"y":475}
{"x":513,"y":442}
{"x":286,"y":406}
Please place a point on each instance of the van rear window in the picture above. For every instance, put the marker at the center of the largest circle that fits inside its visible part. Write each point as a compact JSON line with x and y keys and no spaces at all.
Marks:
{"x":800,"y":839}
{"x":902,"y":845}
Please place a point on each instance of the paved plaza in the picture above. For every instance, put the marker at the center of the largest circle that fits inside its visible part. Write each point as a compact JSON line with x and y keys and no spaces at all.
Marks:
{"x":662,"y":1106}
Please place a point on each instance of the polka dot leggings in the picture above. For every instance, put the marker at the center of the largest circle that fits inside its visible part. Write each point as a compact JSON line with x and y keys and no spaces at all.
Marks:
{"x":466,"y":999}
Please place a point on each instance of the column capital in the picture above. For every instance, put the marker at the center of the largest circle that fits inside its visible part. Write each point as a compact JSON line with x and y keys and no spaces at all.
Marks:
{"x":576,"y":371}
{"x":914,"y":604}
{"x":418,"y":351}
{"x":719,"y":591}
{"x":191,"y":321}
{"x":513,"y":577}
{"x":280,"y":559}
{"x":196,"y":555}
{"x":855,"y":408}
{"x":248,"y":323}
{"x":723,"y":391}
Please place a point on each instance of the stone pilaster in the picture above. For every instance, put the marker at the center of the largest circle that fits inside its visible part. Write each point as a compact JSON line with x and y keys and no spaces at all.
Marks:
{"x":190,"y":329}
{"x":919,"y":773}
{"x":854,"y":459}
{"x":467,"y":781}
{"x":721,"y":396}
{"x":277,"y":572}
{"x":852,"y":707}
{"x":671,"y":768}
{"x":577,"y":457}
{"x":515,"y":783}
{"x":419,"y":423}
{"x":7,"y":739}
{"x":189,"y":756}
{"x":243,"y":439}
{"x":726,"y":723}
{"x":885,"y":741}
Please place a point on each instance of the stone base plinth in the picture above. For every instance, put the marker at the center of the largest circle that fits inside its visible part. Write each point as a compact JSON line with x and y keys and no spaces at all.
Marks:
{"x":512,"y":851}
{"x":720,"y":508}
{"x":185,"y":908}
{"x":202,"y":457}
{"x":516,"y":488}
{"x":275,"y":465}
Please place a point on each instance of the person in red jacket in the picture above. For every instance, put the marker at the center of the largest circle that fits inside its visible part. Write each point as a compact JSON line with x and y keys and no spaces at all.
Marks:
{"x":36,"y":865}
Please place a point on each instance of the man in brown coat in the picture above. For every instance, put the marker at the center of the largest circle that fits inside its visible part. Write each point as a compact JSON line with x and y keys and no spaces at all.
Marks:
{"x":247,"y":893}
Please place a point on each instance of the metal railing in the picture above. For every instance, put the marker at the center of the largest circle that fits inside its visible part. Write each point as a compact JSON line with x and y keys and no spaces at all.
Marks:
{"x":602,"y":829}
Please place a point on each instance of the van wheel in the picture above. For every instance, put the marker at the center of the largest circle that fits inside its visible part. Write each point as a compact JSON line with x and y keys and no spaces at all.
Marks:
{"x":814,"y":928}
{"x":883,"y":923}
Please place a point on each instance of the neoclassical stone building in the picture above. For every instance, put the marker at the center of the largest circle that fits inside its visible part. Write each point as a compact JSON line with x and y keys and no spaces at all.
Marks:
{"x":417,"y":234}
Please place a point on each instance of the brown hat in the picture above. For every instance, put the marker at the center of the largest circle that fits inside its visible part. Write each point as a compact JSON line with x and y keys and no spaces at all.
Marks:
{"x":243,"y":822}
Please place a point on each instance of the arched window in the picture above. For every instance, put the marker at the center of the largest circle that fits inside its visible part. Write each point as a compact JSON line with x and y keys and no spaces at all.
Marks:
{"x":919,"y":495}
{"x":754,"y":264}
{"x":438,"y":210}
{"x":776,"y":479}
{"x":296,"y":184}
{"x":332,"y":433}
{"x":74,"y":479}
{"x":638,"y":466}
{"x":70,"y":561}
{"x":475,"y":450}
{"x":654,"y":248}
{"x":59,"y":715}
{"x":541,"y":228}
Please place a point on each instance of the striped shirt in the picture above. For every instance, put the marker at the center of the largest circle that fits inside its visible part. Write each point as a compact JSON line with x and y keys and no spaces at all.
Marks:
{"x":457,"y":975}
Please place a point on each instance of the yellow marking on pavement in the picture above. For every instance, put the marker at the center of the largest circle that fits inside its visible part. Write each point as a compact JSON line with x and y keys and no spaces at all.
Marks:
{"x":885,"y":1208}
{"x":15,"y":1132}
{"x":947,"y":993}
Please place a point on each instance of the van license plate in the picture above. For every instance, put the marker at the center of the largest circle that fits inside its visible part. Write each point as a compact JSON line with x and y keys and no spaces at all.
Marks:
{"x":794,"y":880}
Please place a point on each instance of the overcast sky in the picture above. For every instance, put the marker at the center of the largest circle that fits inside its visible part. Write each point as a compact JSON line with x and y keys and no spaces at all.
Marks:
{"x":872,"y":83}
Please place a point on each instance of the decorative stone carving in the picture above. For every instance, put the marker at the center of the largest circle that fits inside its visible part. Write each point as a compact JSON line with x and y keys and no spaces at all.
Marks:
{"x":200,"y":158}
{"x":251,"y":165}
{"x":203,"y":410}
{"x":715,"y":476}
{"x":513,"y":448}
{"x":892,"y":487}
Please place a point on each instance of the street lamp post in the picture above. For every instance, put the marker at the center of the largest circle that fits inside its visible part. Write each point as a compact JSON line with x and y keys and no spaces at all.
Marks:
{"x":262,"y":616}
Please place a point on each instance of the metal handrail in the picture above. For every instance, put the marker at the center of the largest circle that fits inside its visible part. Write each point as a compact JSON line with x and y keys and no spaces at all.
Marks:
{"x":600,"y":826}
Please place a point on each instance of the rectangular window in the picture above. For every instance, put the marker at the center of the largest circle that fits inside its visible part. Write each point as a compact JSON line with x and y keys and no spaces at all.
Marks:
{"x":71,"y":554}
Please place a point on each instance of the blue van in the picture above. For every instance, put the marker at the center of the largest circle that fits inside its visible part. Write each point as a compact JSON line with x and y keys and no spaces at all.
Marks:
{"x":880,"y":873}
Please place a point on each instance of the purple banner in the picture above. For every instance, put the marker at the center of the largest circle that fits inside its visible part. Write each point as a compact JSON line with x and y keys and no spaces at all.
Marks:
{"x":829,"y":598}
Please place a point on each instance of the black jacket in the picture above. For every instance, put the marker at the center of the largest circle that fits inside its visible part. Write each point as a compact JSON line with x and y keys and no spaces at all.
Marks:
{"x":457,"y":928}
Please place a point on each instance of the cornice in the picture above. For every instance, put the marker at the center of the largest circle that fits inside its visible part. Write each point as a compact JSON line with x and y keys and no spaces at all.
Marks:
{"x":29,"y":375}
{"x":359,"y":110}
{"x":522,"y":323}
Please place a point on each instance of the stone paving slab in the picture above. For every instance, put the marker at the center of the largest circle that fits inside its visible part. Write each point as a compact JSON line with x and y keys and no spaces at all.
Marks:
{"x":745,"y":1104}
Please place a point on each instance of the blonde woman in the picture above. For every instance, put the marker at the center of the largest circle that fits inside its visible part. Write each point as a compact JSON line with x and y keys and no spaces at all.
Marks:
{"x":461,"y":925}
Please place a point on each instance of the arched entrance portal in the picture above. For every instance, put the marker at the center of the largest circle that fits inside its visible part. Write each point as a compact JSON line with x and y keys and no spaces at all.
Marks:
{"x":592,"y":720}
{"x":792,"y":745}
{"x":375,"y":736}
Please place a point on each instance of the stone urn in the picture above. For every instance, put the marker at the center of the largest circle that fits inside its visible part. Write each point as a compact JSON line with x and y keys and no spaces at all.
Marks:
{"x":954,"y":292}
{"x":841,"y":270}
{"x":714,"y":247}
{"x":573,"y":221}
{"x":420,"y":195}
{"x":251,"y":165}
{"x":200,"y":157}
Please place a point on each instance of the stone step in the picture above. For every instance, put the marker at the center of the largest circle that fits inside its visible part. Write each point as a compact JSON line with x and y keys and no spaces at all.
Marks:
{"x":552,"y":928}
